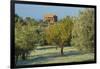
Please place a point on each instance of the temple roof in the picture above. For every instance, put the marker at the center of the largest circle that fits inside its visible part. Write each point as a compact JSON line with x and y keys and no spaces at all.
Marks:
{"x":49,"y":15}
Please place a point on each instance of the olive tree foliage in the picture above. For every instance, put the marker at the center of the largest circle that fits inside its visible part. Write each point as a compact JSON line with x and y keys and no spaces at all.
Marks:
{"x":31,"y":20}
{"x":83,"y":31}
{"x":59,"y":33}
{"x":25,"y":39}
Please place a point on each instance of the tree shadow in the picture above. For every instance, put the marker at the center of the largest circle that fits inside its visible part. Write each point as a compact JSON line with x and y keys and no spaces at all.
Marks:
{"x":39,"y":59}
{"x":45,"y":48}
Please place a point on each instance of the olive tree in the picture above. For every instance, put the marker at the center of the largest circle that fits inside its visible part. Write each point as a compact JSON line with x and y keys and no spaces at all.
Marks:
{"x":59,"y":33}
{"x":25,"y":39}
{"x":83,"y":31}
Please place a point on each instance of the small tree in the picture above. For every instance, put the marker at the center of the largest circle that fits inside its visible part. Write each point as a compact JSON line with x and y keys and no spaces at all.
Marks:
{"x":83,"y":31}
{"x":25,"y":39}
{"x":59,"y":33}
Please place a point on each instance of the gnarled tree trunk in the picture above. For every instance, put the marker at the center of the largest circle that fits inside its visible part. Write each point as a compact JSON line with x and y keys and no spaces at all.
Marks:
{"x":62,"y":52}
{"x":23,"y":56}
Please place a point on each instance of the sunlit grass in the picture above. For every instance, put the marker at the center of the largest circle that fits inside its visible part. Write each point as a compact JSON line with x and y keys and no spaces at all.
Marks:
{"x":50,"y":54}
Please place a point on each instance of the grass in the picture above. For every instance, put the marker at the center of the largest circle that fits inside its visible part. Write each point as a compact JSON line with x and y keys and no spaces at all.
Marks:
{"x":47,"y":55}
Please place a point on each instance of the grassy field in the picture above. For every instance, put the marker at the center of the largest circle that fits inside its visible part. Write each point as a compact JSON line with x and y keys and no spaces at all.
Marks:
{"x":47,"y":55}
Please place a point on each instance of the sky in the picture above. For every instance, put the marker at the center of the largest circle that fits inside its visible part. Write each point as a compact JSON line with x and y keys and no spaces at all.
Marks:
{"x":38,"y":11}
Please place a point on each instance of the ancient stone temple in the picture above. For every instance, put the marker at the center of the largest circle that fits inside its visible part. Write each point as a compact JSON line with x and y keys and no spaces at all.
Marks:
{"x":51,"y":18}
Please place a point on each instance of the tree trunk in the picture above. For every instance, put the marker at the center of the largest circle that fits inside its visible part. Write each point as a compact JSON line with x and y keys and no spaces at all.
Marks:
{"x":16,"y":58}
{"x":56,"y":47}
{"x":23,"y":56}
{"x":62,"y":53}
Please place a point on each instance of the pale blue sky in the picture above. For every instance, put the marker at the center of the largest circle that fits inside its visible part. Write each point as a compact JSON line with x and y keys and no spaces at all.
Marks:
{"x":38,"y":11}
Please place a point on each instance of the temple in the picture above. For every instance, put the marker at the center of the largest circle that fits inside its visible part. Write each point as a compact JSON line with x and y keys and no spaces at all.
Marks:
{"x":51,"y":18}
